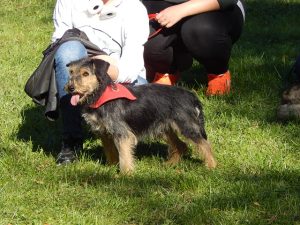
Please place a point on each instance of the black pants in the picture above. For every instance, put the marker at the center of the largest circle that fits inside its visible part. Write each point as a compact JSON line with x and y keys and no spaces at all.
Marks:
{"x":206,"y":37}
{"x":71,"y":119}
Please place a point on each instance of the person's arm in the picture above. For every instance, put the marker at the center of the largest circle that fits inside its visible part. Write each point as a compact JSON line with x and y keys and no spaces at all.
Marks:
{"x":62,"y":18}
{"x":171,"y":15}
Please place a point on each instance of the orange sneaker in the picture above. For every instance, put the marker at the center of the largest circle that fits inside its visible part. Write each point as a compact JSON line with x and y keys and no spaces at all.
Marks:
{"x":165,"y":78}
{"x":218,"y":84}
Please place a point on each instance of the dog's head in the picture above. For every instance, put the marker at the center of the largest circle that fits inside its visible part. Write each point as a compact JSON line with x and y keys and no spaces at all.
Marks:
{"x":88,"y":79}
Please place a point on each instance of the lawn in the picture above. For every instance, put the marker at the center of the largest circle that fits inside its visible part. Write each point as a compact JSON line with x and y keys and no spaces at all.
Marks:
{"x":257,"y":180}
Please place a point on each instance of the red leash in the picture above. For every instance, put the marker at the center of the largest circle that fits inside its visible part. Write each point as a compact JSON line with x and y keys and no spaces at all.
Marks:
{"x":152,"y":18}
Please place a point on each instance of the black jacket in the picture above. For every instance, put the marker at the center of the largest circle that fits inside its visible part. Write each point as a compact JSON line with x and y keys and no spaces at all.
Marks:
{"x":41,"y":85}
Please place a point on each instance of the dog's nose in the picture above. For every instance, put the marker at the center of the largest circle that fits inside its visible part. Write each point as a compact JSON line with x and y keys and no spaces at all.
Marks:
{"x":71,"y":88}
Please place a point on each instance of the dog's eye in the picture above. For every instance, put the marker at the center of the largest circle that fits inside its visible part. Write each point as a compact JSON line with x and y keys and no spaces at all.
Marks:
{"x":71,"y":72}
{"x":85,"y":74}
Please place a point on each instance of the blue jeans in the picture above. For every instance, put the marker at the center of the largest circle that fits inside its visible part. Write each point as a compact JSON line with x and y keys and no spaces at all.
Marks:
{"x":71,"y":117}
{"x":140,"y":81}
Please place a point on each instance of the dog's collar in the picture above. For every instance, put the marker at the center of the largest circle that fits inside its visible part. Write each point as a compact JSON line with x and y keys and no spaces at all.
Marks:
{"x":113,"y":92}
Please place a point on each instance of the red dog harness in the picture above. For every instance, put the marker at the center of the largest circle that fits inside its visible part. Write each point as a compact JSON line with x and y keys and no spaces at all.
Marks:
{"x":113,"y":92}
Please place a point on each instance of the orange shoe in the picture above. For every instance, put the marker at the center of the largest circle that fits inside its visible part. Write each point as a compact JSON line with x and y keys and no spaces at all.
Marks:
{"x":165,"y":78}
{"x":218,"y":84}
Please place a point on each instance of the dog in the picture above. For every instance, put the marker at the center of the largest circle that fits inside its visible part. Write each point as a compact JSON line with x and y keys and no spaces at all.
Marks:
{"x":151,"y":110}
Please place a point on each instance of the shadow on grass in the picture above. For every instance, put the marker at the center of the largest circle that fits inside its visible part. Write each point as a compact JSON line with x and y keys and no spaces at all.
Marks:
{"x":45,"y":134}
{"x":270,"y":197}
{"x":37,"y":129}
{"x":143,"y":150}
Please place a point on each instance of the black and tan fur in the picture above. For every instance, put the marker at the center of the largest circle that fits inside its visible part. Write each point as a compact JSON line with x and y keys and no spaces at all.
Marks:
{"x":160,"y":111}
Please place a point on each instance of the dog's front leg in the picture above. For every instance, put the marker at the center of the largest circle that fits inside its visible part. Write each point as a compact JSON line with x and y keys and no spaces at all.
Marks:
{"x":126,"y":145}
{"x":110,"y":150}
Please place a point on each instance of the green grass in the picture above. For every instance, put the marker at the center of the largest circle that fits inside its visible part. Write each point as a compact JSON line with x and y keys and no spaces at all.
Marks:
{"x":258,"y":177}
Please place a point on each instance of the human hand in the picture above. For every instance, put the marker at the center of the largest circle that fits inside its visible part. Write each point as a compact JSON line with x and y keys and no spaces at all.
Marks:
{"x":170,"y":16}
{"x":173,"y":14}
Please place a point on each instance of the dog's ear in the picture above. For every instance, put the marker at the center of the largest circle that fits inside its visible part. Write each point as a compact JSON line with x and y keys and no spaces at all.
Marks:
{"x":100,"y":67}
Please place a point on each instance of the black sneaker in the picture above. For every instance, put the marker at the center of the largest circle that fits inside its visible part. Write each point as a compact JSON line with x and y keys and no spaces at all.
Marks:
{"x":69,"y":150}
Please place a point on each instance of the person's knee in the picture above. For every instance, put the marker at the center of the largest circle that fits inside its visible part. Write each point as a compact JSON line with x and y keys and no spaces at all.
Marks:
{"x":70,"y":51}
{"x":153,"y":49}
{"x":155,"y":53}
{"x":206,"y":41}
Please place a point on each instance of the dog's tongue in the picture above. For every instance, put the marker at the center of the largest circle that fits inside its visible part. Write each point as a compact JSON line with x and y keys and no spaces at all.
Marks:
{"x":75,"y":99}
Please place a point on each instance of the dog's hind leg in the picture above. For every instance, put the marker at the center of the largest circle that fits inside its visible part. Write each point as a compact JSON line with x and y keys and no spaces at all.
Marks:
{"x":204,"y":148}
{"x":110,"y":150}
{"x":126,"y":145}
{"x":196,"y":133}
{"x":176,"y":149}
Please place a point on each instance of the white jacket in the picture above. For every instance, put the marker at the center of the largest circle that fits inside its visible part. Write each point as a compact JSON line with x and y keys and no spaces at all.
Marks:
{"x":122,"y":36}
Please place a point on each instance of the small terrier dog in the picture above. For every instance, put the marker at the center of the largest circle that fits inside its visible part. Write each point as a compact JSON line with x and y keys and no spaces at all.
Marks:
{"x":150,"y":110}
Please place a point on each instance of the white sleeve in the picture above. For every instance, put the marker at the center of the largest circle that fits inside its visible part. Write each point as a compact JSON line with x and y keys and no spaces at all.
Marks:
{"x":62,"y":18}
{"x":131,"y":63}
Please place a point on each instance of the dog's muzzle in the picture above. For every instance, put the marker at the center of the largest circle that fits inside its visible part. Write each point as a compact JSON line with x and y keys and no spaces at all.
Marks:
{"x":70,"y":88}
